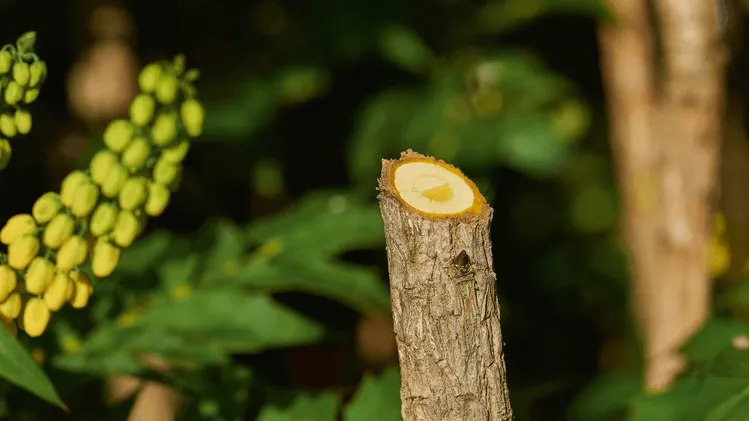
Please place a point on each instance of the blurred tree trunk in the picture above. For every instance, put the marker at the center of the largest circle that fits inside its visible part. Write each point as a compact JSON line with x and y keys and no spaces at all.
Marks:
{"x":663,"y":70}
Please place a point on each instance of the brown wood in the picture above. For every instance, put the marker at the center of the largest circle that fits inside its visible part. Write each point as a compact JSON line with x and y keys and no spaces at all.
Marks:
{"x":445,"y":312}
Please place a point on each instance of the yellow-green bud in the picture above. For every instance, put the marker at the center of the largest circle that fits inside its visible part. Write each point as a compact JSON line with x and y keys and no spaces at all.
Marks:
{"x":103,"y":219}
{"x":166,"y":89}
{"x":58,"y":292}
{"x":23,"y":121}
{"x":84,"y":199}
{"x":142,"y":220}
{"x":21,"y":73}
{"x":126,"y":229}
{"x":46,"y":207}
{"x":142,"y":109}
{"x":115,"y":179}
{"x":39,"y":275}
{"x":158,"y":198}
{"x":17,"y":226}
{"x":176,"y":153}
{"x":11,"y":307}
{"x":35,"y":317}
{"x":100,"y":165}
{"x":104,"y":258}
{"x":149,"y":77}
{"x":133,"y":193}
{"x":82,"y":289}
{"x":21,"y":251}
{"x":5,"y":153}
{"x":6,"y":61}
{"x":8,"y":281}
{"x":72,"y":253}
{"x":136,"y":154}
{"x":192,"y":114}
{"x":58,"y":230}
{"x":38,"y":70}
{"x":13,"y":93}
{"x":117,"y":135}
{"x":30,"y":95}
{"x":165,"y":172}
{"x":164,"y":129}
{"x":7,"y":125}
{"x":69,"y":185}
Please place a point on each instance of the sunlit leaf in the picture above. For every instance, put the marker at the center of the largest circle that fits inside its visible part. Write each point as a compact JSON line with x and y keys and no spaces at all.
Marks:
{"x":377,"y":398}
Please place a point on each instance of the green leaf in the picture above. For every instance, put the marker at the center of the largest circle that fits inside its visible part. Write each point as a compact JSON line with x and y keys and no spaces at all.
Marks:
{"x":302,"y":407}
{"x":357,"y":287}
{"x":734,"y":298}
{"x":713,"y":337}
{"x":145,"y":253}
{"x":529,"y":146}
{"x":377,"y":399}
{"x":176,"y":272}
{"x":238,"y":119}
{"x":605,"y":397}
{"x":403,"y":47}
{"x":233,"y":320}
{"x":17,"y":367}
{"x":227,"y":242}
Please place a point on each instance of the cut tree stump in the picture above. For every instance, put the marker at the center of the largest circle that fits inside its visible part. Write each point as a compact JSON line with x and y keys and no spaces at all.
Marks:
{"x":445,"y":310}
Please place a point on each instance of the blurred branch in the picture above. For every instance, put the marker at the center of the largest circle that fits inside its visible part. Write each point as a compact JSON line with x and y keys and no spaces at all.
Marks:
{"x":666,"y":143}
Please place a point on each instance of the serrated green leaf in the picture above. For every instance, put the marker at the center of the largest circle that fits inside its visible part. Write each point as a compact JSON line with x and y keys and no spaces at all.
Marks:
{"x":233,"y":320}
{"x":377,"y":399}
{"x":17,"y":367}
{"x":715,"y":335}
{"x":357,"y":287}
{"x":174,"y":273}
{"x":227,"y":243}
{"x":302,"y":407}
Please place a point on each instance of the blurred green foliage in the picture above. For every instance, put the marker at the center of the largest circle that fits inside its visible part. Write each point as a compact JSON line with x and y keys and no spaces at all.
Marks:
{"x":273,"y":249}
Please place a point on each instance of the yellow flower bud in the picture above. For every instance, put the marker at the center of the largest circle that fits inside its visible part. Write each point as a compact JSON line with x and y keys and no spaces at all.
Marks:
{"x":39,"y":275}
{"x":164,"y":129}
{"x":158,"y":198}
{"x":70,"y":184}
{"x":21,"y":73}
{"x":103,"y":219}
{"x":5,"y":153}
{"x":7,"y":125}
{"x":166,"y":89}
{"x":118,"y":134}
{"x":13,"y":93}
{"x":142,"y":109}
{"x":16,"y":227}
{"x":11,"y":307}
{"x":100,"y":165}
{"x":72,"y":253}
{"x":21,"y":251}
{"x":192,"y":114}
{"x":149,"y":77}
{"x":6,"y":61}
{"x":58,"y":230}
{"x":165,"y":172}
{"x":176,"y":153}
{"x":59,"y":291}
{"x":85,"y":198}
{"x":82,"y":289}
{"x":46,"y":207}
{"x":136,"y":154}
{"x":8,"y":281}
{"x":35,"y":317}
{"x":23,"y":121}
{"x":10,"y":325}
{"x":104,"y":258}
{"x":38,"y":72}
{"x":133,"y":193}
{"x":126,"y":229}
{"x":115,"y":179}
{"x":30,"y":95}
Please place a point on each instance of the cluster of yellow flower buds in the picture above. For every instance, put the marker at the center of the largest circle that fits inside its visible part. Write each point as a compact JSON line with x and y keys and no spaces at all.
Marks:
{"x":21,"y":76}
{"x":100,"y":210}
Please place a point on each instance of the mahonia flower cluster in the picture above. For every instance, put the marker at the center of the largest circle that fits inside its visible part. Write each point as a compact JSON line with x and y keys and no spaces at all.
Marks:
{"x":100,"y":210}
{"x":21,"y":76}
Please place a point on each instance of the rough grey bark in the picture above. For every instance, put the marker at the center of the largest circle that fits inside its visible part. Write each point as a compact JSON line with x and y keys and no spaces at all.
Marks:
{"x":445,"y":312}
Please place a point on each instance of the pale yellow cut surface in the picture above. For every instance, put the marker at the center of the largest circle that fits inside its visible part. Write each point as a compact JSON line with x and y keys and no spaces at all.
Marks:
{"x":431,"y":188}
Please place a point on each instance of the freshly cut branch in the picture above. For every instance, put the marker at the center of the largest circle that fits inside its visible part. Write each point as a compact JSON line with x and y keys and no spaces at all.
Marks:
{"x":445,"y":310}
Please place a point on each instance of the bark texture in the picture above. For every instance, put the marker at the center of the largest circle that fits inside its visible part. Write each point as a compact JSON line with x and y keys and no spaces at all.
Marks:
{"x":445,"y":312}
{"x":665,"y":117}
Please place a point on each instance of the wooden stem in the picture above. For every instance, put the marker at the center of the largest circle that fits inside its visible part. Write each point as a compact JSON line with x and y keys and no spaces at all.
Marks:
{"x":445,"y":310}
